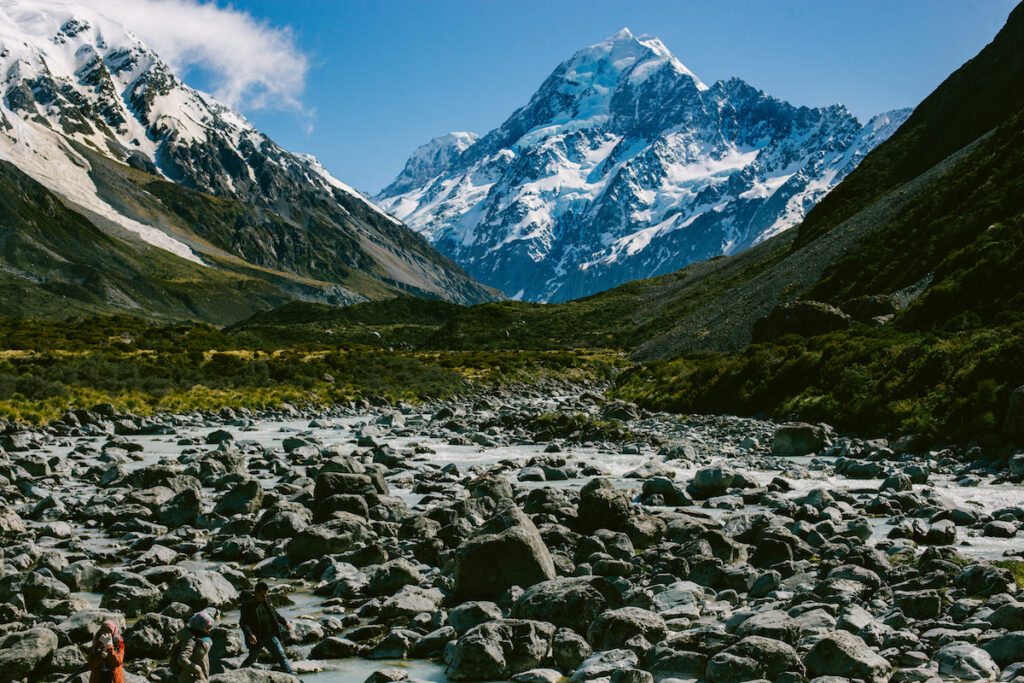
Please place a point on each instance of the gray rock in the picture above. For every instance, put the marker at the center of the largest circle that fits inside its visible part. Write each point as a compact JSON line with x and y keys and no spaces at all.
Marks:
{"x":507,"y":550}
{"x":805,"y":318}
{"x":1009,"y":616}
{"x":613,"y":628}
{"x":202,"y":589}
{"x":753,"y":657}
{"x":252,"y":676}
{"x":539,"y":676}
{"x":182,"y":509}
{"x":967,"y":662}
{"x":569,"y":649}
{"x":500,"y":649}
{"x":798,"y":438}
{"x":567,"y":602}
{"x":152,"y":636}
{"x":22,"y":653}
{"x":410,"y":601}
{"x":846,"y":655}
{"x":387,"y":676}
{"x":132,"y":599}
{"x":391,"y":576}
{"x":985,"y":579}
{"x":470,"y":614}
{"x":244,"y":498}
{"x":603,"y":665}
{"x":334,"y":648}
{"x":1006,"y":649}
{"x":999,"y":529}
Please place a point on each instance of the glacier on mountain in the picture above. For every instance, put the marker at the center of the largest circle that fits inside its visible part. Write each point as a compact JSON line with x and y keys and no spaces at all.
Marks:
{"x":624,"y":165}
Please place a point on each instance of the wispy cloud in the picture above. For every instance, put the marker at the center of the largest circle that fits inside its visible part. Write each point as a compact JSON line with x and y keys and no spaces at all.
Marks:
{"x":249,"y":63}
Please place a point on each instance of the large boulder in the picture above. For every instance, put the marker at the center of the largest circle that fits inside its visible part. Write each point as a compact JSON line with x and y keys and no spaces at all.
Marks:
{"x":568,"y":602}
{"x":245,"y":498}
{"x":182,"y":509}
{"x":131,"y":598}
{"x":866,"y":308}
{"x":253,"y":676}
{"x":507,"y":550}
{"x":338,"y":483}
{"x":33,"y":587}
{"x":601,"y":666}
{"x":805,"y":318}
{"x":151,"y":636}
{"x":985,"y":580}
{"x":410,"y":601}
{"x":1009,"y":616}
{"x":966,"y":662}
{"x":22,"y":653}
{"x":391,"y":576}
{"x":344,"y":532}
{"x":1006,"y":649}
{"x":10,"y":523}
{"x":202,"y":589}
{"x":753,"y":657}
{"x":846,"y":655}
{"x":613,"y":628}
{"x":716,"y":480}
{"x":498,"y":650}
{"x":798,"y":438}
{"x":603,"y":506}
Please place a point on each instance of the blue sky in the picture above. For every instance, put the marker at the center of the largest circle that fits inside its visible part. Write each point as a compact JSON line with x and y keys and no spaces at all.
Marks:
{"x":384,"y":76}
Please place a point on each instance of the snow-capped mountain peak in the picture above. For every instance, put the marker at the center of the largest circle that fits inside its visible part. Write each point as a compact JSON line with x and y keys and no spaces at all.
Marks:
{"x":624,"y":165}
{"x":78,"y":88}
{"x":88,"y":78}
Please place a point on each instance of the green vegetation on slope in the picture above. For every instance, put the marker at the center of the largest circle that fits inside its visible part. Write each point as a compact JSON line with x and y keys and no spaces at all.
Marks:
{"x":47,"y":367}
{"x":872,"y":381}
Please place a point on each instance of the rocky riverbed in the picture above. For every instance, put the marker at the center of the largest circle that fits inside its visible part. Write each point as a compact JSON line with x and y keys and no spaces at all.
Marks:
{"x":528,"y":535}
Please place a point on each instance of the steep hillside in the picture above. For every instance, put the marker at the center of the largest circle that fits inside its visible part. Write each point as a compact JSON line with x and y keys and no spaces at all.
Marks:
{"x":94,"y":115}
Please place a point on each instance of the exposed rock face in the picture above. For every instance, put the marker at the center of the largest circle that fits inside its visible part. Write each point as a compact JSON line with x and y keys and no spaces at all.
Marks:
{"x":804,"y":318}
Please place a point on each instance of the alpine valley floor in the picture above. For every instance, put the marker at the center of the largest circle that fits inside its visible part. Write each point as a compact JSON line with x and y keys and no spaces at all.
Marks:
{"x":525,"y":535}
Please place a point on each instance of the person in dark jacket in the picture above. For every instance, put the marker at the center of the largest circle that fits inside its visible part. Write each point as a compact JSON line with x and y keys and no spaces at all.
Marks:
{"x":261,"y":626}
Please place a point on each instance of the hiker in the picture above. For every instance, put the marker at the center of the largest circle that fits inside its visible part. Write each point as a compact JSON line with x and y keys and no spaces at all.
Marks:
{"x":190,"y":656}
{"x":106,"y":657}
{"x":261,"y":626}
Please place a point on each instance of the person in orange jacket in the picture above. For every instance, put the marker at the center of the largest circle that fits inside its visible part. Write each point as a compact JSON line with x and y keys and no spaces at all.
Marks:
{"x":106,"y":657}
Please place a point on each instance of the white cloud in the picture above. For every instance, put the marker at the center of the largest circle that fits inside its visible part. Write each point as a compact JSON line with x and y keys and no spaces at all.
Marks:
{"x":251,"y":64}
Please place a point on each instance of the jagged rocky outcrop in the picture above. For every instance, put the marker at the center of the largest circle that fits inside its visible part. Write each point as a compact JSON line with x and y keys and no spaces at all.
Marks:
{"x":624,"y":165}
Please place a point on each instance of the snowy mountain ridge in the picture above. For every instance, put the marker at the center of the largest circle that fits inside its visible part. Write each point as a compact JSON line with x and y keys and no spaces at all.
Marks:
{"x":624,"y":165}
{"x":75,"y":83}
